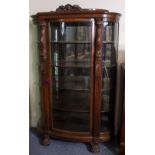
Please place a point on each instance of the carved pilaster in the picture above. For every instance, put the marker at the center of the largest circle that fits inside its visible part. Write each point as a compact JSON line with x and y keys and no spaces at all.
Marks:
{"x":99,"y":35}
{"x":98,"y":81}
{"x":45,"y":75}
{"x":43,"y":42}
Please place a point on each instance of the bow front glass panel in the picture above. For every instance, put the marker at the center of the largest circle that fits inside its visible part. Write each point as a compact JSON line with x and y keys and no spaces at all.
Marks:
{"x":71,"y":48}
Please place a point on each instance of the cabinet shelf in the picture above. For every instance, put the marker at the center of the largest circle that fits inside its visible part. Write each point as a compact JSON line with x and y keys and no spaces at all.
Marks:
{"x":77,"y":111}
{"x":73,"y":63}
{"x":75,"y":78}
{"x":83,"y":58}
{"x":70,"y":110}
{"x":72,"y":66}
{"x":70,"y":42}
{"x":75,"y":89}
{"x":109,"y":42}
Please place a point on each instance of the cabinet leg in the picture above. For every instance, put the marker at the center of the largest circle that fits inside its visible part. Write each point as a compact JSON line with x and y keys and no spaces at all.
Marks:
{"x":95,"y":148}
{"x":46,"y":140}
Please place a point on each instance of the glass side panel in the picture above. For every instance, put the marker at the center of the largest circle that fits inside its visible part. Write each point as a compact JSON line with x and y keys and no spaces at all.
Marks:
{"x":109,"y":61}
{"x":71,"y":58}
{"x":105,"y":121}
{"x":116,"y":38}
{"x":108,"y":86}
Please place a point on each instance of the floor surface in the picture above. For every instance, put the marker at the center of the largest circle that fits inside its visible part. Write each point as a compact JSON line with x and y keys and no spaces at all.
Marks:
{"x":58,"y":147}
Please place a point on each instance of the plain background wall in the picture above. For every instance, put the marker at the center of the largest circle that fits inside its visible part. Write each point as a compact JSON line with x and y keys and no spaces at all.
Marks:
{"x":51,"y":5}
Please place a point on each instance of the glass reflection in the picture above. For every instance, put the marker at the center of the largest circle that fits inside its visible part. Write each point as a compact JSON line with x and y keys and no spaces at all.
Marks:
{"x":109,"y":60}
{"x":71,"y":57}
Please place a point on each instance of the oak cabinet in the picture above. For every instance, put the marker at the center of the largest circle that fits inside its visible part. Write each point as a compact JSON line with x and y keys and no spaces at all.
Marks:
{"x":78,"y":57}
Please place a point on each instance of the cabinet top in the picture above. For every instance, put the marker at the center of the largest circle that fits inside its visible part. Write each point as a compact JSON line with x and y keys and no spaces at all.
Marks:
{"x":69,"y":11}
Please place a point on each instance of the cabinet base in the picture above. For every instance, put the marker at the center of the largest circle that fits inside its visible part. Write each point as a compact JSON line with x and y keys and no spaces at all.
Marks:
{"x":75,"y":137}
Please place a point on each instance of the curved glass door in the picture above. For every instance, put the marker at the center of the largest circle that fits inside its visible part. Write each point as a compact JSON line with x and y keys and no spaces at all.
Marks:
{"x":71,"y":48}
{"x":109,"y":61}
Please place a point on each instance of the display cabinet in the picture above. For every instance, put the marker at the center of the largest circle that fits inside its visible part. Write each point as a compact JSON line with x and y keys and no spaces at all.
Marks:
{"x":78,"y":57}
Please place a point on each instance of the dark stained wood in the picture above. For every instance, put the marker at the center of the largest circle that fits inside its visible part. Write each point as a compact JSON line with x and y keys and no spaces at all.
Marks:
{"x":106,"y":17}
{"x":75,"y":136}
{"x":44,"y":71}
{"x":122,"y":131}
{"x":72,"y":136}
{"x":98,"y":85}
{"x":98,"y":77}
{"x":45,"y":77}
{"x":67,"y":9}
{"x":74,"y":13}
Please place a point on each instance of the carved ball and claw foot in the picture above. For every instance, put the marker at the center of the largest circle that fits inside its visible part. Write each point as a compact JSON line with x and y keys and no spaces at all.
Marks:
{"x":46,"y":140}
{"x":95,"y":148}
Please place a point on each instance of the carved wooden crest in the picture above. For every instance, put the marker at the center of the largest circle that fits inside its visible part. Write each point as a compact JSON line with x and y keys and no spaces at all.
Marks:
{"x":70,"y":8}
